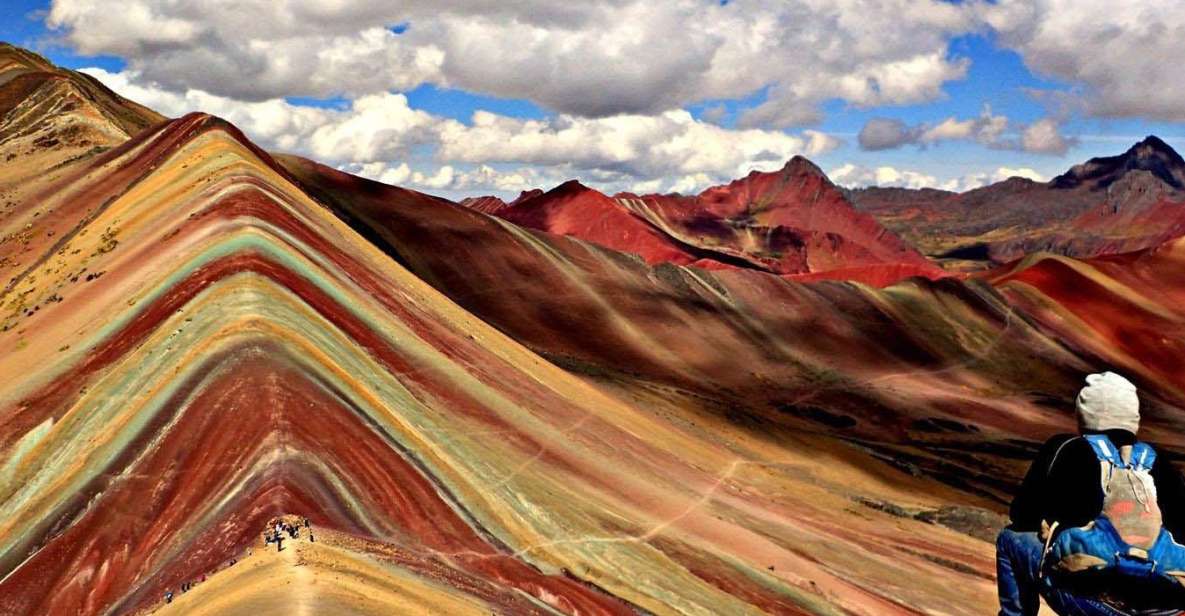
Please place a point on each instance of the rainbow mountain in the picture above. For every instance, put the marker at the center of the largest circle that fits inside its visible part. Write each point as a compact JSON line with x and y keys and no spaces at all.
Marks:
{"x":199,"y":337}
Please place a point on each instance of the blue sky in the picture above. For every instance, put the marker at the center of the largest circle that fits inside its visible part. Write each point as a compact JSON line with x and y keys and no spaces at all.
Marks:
{"x":969,"y":58}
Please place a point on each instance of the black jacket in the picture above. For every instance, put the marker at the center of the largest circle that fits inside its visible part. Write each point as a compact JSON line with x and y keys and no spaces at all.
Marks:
{"x":1067,"y":489}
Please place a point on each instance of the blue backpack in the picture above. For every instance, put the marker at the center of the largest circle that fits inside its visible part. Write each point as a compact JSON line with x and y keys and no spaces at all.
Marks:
{"x":1128,"y":538}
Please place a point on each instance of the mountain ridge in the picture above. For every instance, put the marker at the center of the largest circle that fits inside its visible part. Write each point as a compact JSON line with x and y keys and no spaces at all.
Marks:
{"x":792,"y":222}
{"x":1104,"y":206}
{"x":1151,"y":154}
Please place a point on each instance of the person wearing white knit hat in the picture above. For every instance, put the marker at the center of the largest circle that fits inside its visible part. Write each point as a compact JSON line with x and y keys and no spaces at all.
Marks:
{"x":1067,"y":491}
{"x":1108,"y":402}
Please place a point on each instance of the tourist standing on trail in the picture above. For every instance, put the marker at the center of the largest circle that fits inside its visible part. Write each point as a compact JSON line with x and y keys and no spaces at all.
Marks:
{"x":1092,"y":528}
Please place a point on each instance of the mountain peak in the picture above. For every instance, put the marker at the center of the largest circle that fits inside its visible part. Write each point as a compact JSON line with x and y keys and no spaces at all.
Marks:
{"x":1154,"y":147}
{"x":572,"y":187}
{"x":1151,"y":154}
{"x":13,"y":56}
{"x":525,"y":195}
{"x":801,"y":165}
{"x":1153,"y":140}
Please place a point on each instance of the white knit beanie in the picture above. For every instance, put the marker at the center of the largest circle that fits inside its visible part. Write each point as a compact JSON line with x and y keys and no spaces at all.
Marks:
{"x":1108,"y":402}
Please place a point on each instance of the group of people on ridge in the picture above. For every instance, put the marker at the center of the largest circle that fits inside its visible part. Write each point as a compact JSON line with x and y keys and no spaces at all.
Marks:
{"x":273,"y":533}
{"x":276,"y":531}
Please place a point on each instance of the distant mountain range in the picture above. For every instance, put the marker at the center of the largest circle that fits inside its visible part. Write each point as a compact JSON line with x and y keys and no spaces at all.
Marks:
{"x":796,"y":223}
{"x":1104,"y":206}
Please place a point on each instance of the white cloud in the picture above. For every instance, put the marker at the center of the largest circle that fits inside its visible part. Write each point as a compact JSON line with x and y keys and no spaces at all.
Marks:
{"x":986,"y":129}
{"x":373,"y":127}
{"x":445,"y":177}
{"x":1120,"y":52}
{"x":976,"y":180}
{"x":452,"y":180}
{"x":396,"y":175}
{"x":646,"y":187}
{"x":857,"y":176}
{"x":1003,"y":173}
{"x":583,"y":59}
{"x":989,"y":129}
{"x":1044,"y":137}
{"x":670,"y":143}
{"x":383,"y":128}
{"x":690,"y":184}
{"x":887,"y":134}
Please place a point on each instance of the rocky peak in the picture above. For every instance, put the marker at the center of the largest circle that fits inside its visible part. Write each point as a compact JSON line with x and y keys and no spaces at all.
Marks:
{"x":1152,"y":155}
{"x":525,"y":195}
{"x":800,"y":165}
{"x":573,"y":187}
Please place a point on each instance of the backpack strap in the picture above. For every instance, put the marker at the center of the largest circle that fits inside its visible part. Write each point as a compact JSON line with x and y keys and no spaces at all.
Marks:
{"x":1105,"y":450}
{"x":1143,"y":456}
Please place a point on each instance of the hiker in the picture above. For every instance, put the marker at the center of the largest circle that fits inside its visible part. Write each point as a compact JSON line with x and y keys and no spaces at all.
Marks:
{"x":311,"y":537}
{"x":1092,"y":526}
{"x":168,"y":596}
{"x":279,"y":542}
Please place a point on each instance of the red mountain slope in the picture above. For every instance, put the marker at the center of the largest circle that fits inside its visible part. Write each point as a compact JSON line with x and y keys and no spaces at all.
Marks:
{"x":791,"y":222}
{"x":485,"y":205}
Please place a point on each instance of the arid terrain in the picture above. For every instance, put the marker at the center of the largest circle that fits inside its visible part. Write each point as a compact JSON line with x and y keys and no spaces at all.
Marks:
{"x":775,"y":396}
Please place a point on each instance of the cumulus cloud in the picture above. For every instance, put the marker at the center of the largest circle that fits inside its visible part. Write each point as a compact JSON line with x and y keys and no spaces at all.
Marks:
{"x":373,"y":127}
{"x":1115,"y":50}
{"x":582,"y":59}
{"x":857,"y":176}
{"x":1044,"y":137}
{"x":988,"y":129}
{"x":456,"y":181}
{"x":886,"y":134}
{"x":670,"y":143}
{"x":1003,"y":173}
{"x":382,"y":137}
{"x":396,"y":175}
